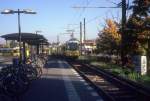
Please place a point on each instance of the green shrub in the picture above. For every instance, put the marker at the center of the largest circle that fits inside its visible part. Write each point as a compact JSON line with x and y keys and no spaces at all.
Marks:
{"x":134,"y":76}
{"x":116,"y":71}
{"x":126,"y":72}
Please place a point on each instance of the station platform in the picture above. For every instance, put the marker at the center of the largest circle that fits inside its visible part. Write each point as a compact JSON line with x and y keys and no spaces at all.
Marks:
{"x":5,"y":60}
{"x":60,"y":82}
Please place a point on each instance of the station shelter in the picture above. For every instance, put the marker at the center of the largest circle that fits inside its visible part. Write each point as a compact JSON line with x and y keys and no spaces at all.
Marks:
{"x":31,"y":43}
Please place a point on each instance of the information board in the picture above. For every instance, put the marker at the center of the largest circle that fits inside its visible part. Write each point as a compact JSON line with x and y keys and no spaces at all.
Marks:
{"x":140,"y":63}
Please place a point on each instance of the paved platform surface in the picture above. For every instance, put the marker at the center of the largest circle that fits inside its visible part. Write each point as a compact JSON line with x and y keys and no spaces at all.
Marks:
{"x":60,"y":82}
{"x":5,"y":60}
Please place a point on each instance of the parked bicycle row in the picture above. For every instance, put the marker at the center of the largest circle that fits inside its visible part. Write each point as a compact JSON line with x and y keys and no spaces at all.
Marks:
{"x":15,"y":79}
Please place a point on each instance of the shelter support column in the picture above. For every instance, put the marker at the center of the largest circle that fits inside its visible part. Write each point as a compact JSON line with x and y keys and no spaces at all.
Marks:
{"x":6,"y":42}
{"x":24,"y":52}
{"x":42,"y":48}
{"x":38,"y":46}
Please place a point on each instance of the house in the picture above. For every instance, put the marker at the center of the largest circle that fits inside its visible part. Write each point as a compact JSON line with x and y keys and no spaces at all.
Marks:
{"x":89,"y":46}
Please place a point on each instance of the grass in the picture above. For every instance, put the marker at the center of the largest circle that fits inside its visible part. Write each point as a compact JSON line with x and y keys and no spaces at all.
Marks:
{"x":118,"y":70}
{"x":126,"y":73}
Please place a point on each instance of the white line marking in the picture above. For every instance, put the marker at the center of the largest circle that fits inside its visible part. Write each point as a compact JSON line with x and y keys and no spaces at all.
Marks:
{"x":76,"y":73}
{"x":73,"y":70}
{"x":82,"y":80}
{"x":79,"y":77}
{"x":99,"y":100}
{"x":89,"y":88}
{"x":94,"y":94}
{"x":71,"y":91}
{"x":86,"y":84}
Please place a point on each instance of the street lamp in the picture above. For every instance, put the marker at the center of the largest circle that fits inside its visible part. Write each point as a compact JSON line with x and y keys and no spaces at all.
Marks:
{"x":25,"y":11}
{"x":38,"y":31}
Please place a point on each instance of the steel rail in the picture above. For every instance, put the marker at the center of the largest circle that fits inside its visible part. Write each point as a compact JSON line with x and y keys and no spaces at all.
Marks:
{"x":139,"y":92}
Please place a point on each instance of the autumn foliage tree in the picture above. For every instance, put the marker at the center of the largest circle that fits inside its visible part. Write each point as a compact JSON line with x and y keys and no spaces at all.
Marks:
{"x":137,"y":28}
{"x":109,"y":38}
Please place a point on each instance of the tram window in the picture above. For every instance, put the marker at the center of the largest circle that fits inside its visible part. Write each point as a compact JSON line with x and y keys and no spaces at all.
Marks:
{"x":72,"y":46}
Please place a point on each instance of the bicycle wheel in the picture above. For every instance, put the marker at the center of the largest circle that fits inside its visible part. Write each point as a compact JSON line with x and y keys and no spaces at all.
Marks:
{"x":14,"y":86}
{"x":31,"y":72}
{"x":39,"y":71}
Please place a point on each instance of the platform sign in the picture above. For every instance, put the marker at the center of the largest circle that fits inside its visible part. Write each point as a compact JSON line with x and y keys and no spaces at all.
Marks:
{"x":140,"y":63}
{"x":143,"y":65}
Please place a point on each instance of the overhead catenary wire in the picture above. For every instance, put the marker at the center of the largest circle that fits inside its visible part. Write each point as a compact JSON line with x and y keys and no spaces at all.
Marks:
{"x":112,"y":2}
{"x":83,"y":10}
{"x":116,"y":5}
{"x":89,"y":21}
{"x":84,"y":7}
{"x":80,"y":15}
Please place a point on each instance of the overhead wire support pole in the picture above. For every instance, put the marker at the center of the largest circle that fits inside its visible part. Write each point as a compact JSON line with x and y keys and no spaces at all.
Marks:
{"x":81,"y":38}
{"x":123,"y":30}
{"x":84,"y":31}
{"x":57,"y":44}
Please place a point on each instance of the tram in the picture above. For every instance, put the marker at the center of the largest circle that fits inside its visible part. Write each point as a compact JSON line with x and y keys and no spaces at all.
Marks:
{"x":72,"y":48}
{"x":16,"y":52}
{"x":6,"y":51}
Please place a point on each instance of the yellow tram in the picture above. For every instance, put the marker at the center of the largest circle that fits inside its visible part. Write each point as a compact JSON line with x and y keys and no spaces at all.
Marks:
{"x":72,"y":48}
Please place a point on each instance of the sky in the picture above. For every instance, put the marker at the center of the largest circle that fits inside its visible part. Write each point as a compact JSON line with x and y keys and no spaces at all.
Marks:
{"x":54,"y":17}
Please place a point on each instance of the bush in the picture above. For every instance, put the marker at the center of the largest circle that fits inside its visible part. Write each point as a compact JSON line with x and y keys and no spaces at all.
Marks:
{"x":116,"y":71}
{"x":127,"y":71}
{"x":134,"y":76}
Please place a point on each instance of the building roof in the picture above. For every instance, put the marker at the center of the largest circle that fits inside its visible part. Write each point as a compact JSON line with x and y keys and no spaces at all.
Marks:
{"x":89,"y":42}
{"x":30,"y":38}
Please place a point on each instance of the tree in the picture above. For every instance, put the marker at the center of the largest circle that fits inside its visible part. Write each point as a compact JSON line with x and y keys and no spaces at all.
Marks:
{"x":109,"y":38}
{"x":138,"y":25}
{"x":140,"y":8}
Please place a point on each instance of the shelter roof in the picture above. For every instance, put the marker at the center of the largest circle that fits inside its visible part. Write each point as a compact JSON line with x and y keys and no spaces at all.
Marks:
{"x":30,"y":38}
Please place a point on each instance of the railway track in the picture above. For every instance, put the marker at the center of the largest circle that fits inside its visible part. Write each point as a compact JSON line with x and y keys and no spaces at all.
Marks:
{"x":111,"y":87}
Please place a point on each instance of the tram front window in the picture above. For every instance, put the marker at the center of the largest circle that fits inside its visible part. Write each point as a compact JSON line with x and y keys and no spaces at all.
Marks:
{"x":72,"y":46}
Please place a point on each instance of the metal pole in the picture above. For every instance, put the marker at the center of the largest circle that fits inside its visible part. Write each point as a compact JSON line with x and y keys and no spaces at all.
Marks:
{"x":19,"y":29}
{"x":123,"y":31}
{"x":148,"y":54}
{"x":6,"y":43}
{"x":84,"y":31}
{"x":57,"y":39}
{"x":24,"y":52}
{"x":72,"y":35}
{"x":57,"y":44}
{"x":81,"y":37}
{"x":37,"y":45}
{"x":37,"y":51}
